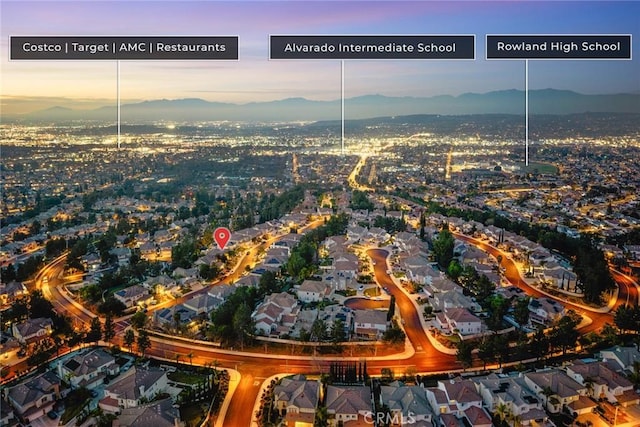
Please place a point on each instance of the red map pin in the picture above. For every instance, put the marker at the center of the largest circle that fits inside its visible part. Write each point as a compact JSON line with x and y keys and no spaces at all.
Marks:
{"x":222,"y":235}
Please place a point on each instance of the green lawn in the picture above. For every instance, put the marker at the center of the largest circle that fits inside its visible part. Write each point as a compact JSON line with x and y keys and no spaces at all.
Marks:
{"x":185,"y":377}
{"x":542,"y":168}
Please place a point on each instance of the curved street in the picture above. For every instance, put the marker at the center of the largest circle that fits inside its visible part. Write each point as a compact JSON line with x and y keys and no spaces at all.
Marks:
{"x":256,"y":367}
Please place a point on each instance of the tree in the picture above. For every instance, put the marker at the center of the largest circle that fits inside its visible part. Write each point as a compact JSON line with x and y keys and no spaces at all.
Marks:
{"x":539,"y":344}
{"x":139,"y":320}
{"x":337,"y":331}
{"x":143,"y":342}
{"x":521,"y":312}
{"x":565,"y":334}
{"x":501,"y":411}
{"x":319,"y":330}
{"x":242,"y":323}
{"x":95,"y":330}
{"x":464,"y":353}
{"x":108,"y":331}
{"x":486,"y":352}
{"x":443,"y":247}
{"x":129,"y":338}
{"x":392,"y":308}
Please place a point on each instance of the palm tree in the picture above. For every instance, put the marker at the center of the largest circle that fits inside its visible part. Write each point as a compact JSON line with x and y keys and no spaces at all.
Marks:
{"x":589,"y":383}
{"x":190,"y":356}
{"x":501,"y":411}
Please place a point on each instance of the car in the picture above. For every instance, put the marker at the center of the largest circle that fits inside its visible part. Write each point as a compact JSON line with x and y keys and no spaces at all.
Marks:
{"x":52,"y":415}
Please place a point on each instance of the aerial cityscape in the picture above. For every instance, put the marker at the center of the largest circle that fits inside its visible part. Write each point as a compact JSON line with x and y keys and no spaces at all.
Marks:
{"x":320,"y":242}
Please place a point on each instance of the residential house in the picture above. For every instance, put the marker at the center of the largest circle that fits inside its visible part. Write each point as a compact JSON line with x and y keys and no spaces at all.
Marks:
{"x":32,"y":330}
{"x":34,"y":397}
{"x":88,"y":369}
{"x":6,"y":413}
{"x":477,"y":417}
{"x":298,"y":398}
{"x":514,"y":393}
{"x":459,"y":321}
{"x":370,"y":324}
{"x":454,"y":396}
{"x":132,"y":295}
{"x":162,"y":413}
{"x":169,"y":315}
{"x":136,"y":386}
{"x":453,"y":298}
{"x":407,"y":404}
{"x":313,"y":291}
{"x":347,"y":404}
{"x":604,"y":382}
{"x":271,"y":313}
{"x":203,"y":303}
{"x":122,"y":255}
{"x":545,"y":311}
{"x":555,"y":388}
{"x":9,"y":292}
{"x":627,"y":357}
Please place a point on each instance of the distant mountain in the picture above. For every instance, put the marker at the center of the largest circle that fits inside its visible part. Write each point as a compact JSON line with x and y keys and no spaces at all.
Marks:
{"x":547,"y":101}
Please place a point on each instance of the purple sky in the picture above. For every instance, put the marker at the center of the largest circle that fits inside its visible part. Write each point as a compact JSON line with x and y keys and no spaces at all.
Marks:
{"x":255,"y":78}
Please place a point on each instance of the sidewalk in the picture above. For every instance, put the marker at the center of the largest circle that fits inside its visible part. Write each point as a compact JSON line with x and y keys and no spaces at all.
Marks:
{"x":234,"y":381}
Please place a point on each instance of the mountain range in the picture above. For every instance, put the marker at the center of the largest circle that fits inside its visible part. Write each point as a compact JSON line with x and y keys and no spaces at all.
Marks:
{"x":546,"y":101}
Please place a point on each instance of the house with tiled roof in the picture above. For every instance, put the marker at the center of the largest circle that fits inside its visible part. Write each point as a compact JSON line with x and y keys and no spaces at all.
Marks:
{"x":513,"y":392}
{"x":625,"y":357}
{"x":88,"y":369}
{"x":459,"y":321}
{"x":11,"y":291}
{"x":370,"y":324}
{"x":136,"y":386}
{"x":299,"y":398}
{"x":453,"y":397}
{"x":562,"y":389}
{"x":477,"y":417}
{"x":132,"y":295}
{"x":604,"y":382}
{"x":349,"y":404}
{"x":406,"y":403}
{"x":32,"y":330}
{"x":313,"y":291}
{"x":35,"y":397}
{"x":545,"y":311}
{"x":269,"y":315}
{"x":161,"y":413}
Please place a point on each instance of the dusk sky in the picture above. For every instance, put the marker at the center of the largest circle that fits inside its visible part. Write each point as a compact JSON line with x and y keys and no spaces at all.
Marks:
{"x":33,"y":85}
